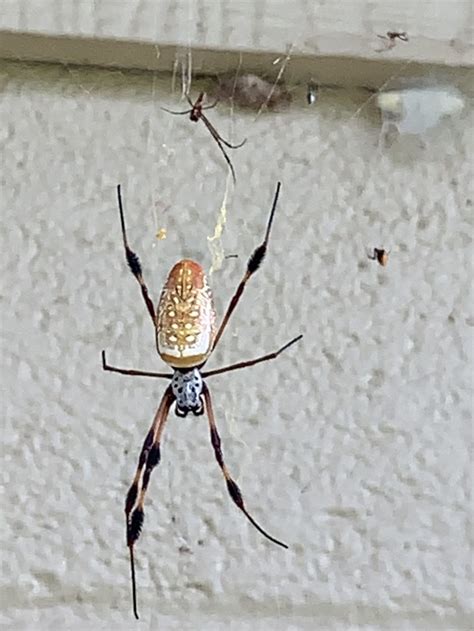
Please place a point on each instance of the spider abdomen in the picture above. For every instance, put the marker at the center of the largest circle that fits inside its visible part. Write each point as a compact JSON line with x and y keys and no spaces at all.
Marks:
{"x":185,"y":320}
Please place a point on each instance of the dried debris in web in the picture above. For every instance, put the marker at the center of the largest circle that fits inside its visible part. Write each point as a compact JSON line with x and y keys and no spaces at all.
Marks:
{"x":252,"y":92}
{"x":255,"y":92}
{"x":214,"y":242}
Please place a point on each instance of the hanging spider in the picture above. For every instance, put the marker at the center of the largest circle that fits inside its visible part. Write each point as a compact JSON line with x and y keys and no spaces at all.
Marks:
{"x":196,"y":113}
{"x":186,"y":336}
{"x":379,"y":255}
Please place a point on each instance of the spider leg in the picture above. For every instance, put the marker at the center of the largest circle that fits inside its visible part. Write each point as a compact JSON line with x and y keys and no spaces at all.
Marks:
{"x":253,"y":264}
{"x":228,"y":144}
{"x":134,"y":262}
{"x":173,"y":112}
{"x":218,"y":140}
{"x":137,"y":373}
{"x":212,"y":105}
{"x":252,"y":362}
{"x":216,"y":135}
{"x":232,"y":487}
{"x":134,"y":504}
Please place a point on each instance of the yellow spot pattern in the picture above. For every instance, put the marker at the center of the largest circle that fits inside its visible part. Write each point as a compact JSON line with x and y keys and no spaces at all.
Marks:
{"x":186,"y":317}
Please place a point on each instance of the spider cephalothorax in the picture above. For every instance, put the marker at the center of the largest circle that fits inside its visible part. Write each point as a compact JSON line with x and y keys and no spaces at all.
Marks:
{"x":187,"y":389}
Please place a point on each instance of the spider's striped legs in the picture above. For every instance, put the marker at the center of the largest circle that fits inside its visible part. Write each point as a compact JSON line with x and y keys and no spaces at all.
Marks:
{"x":232,"y":487}
{"x":134,"y":262}
{"x":253,"y":264}
{"x":149,"y":458}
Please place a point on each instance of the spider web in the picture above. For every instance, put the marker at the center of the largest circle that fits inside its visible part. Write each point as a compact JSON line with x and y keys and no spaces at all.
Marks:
{"x":181,"y":84}
{"x":183,"y":67}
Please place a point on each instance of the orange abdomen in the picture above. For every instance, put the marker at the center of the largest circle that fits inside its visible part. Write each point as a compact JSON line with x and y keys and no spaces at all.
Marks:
{"x":185,"y":319}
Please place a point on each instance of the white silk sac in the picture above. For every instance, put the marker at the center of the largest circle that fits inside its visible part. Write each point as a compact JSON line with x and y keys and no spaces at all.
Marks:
{"x":415,"y":110}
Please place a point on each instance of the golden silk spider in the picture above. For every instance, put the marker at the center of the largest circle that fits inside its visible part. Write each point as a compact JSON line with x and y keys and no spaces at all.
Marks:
{"x":196,"y":113}
{"x":186,"y":336}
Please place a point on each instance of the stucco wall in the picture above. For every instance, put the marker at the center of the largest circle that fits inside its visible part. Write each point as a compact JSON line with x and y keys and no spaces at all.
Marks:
{"x":353,"y":447}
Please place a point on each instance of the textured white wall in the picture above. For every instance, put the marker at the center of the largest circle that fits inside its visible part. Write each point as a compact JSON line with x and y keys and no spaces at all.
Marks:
{"x":353,"y":448}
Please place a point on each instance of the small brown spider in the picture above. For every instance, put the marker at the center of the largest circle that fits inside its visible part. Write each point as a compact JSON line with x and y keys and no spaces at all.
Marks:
{"x":390,"y":39}
{"x":196,"y":113}
{"x":379,"y":255}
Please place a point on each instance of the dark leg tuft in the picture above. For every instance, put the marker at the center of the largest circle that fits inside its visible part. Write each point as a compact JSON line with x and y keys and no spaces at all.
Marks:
{"x":134,"y":526}
{"x":256,"y":258}
{"x":133,"y":262}
{"x":235,"y":493}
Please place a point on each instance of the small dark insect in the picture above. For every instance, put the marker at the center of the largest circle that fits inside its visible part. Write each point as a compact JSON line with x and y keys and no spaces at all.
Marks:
{"x":312,"y":93}
{"x":393,"y":35}
{"x":379,"y":255}
{"x":183,"y":549}
{"x":231,"y":256}
{"x":186,"y":335}
{"x":196,"y":113}
{"x":390,"y":39}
